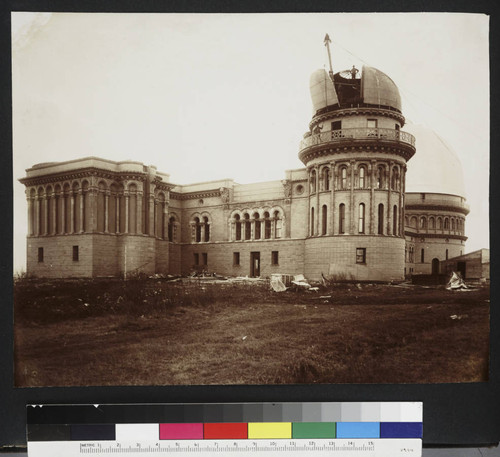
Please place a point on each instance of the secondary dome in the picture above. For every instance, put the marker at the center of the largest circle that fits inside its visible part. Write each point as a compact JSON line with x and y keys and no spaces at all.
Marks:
{"x":351,"y":89}
{"x":435,"y":168}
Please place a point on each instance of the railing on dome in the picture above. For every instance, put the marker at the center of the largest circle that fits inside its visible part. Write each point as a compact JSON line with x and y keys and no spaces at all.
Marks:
{"x":357,"y":134}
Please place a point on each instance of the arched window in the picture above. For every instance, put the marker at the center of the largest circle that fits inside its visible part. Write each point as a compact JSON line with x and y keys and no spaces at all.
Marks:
{"x":413,"y":222}
{"x":432,"y":223}
{"x":237,"y":227}
{"x":197,"y":229}
{"x":312,"y":222}
{"x":172,"y":229}
{"x":395,"y":220}
{"x":312,"y":181}
{"x":248,"y":227}
{"x":362,"y":177}
{"x":380,"y":177}
{"x":278,"y":224}
{"x":395,"y":178}
{"x":439,"y":223}
{"x":447,"y":224}
{"x":343,"y":177}
{"x":453,"y":224}
{"x":324,"y":219}
{"x":380,"y":219}
{"x":423,"y":222}
{"x":267,"y":226}
{"x":341,"y":218}
{"x":257,"y":223}
{"x":361,"y":224}
{"x":206,"y":229}
{"x":326,"y":178}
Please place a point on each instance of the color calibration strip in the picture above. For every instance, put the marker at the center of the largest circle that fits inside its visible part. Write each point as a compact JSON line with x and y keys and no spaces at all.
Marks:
{"x":241,"y":421}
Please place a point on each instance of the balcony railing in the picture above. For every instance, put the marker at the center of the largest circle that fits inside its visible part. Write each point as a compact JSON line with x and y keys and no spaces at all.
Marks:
{"x":357,"y":134}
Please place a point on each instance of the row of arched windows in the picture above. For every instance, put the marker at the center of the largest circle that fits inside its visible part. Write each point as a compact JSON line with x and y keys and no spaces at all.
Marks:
{"x":200,"y":229}
{"x":436,"y":223}
{"x":361,"y":220}
{"x":257,"y":225}
{"x":322,"y":180}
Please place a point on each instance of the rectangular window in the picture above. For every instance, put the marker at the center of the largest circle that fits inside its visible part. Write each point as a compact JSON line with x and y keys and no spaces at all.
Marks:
{"x":40,"y":254}
{"x":336,"y":125}
{"x":274,"y":258}
{"x":236,"y":258}
{"x":205,"y":258}
{"x":196,"y":258}
{"x":75,"y":254}
{"x":422,"y":255}
{"x":360,"y":255}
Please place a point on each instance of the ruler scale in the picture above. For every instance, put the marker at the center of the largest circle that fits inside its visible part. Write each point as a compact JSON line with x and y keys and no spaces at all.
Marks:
{"x":371,"y":429}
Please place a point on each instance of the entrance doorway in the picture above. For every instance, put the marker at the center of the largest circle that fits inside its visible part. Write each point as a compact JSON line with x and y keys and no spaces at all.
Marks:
{"x":254,"y":264}
{"x":435,"y":266}
{"x":461,"y":268}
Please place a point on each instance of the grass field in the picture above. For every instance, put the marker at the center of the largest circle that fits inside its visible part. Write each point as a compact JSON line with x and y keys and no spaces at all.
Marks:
{"x":157,"y":332}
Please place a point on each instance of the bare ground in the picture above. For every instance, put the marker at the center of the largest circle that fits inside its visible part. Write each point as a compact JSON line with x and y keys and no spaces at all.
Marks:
{"x":160,"y":333}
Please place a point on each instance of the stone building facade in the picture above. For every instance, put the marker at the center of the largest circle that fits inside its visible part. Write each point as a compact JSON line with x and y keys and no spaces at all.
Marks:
{"x":346,"y":214}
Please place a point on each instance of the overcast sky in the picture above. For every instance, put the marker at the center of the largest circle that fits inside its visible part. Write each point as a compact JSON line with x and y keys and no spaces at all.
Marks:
{"x":205,"y":97}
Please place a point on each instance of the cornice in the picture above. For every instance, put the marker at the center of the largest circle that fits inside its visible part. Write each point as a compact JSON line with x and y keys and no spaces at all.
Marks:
{"x":451,"y":208}
{"x":436,"y":235}
{"x":365,"y":110}
{"x":195,"y":195}
{"x":356,"y":146}
{"x":83,"y":173}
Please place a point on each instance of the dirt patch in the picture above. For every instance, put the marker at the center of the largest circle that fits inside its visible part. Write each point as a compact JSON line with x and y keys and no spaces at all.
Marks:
{"x":150,"y":332}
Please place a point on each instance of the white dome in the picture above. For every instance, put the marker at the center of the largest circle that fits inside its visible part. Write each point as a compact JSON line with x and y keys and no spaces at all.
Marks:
{"x":434,"y":168}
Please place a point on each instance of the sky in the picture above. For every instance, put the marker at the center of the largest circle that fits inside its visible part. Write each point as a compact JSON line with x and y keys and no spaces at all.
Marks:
{"x":212,"y":96}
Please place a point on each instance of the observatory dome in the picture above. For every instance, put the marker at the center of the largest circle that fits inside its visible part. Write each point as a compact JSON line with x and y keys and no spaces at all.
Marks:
{"x":351,"y":89}
{"x":435,"y":168}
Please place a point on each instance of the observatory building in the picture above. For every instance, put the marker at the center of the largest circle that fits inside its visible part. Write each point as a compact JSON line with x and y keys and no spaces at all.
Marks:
{"x":373,"y":202}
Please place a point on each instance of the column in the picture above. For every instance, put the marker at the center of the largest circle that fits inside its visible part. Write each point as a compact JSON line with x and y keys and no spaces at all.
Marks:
{"x":353,"y":212}
{"x":389,"y":199}
{"x":373,"y":182}
{"x":126,"y":195}
{"x":332,"y":199}
{"x":30,"y":212}
{"x":106,"y":211}
{"x":152,"y":222}
{"x":317,"y":212}
{"x":117,"y":205}
{"x":82,"y":207}
{"x":63,"y":212}
{"x":54,"y":214}
{"x":308,"y":210}
{"x":139,"y":213}
{"x":45,"y":203}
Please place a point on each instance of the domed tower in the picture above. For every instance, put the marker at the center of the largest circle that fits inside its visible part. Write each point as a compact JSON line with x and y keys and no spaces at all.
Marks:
{"x":356,"y":154}
{"x":436,"y":208}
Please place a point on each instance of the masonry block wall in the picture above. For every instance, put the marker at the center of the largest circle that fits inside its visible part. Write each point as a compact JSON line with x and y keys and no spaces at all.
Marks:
{"x":337,"y":257}
{"x":221,"y":257}
{"x":52,"y":257}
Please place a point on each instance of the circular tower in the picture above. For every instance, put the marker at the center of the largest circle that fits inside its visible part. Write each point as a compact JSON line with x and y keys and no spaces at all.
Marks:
{"x":436,"y":208}
{"x":356,"y":154}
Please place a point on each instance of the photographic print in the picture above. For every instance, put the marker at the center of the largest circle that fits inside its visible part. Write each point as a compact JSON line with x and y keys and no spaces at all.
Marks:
{"x":250,"y":198}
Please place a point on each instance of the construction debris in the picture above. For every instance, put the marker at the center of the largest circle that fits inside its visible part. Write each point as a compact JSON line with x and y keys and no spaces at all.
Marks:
{"x":456,"y":282}
{"x":277,"y":284}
